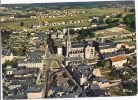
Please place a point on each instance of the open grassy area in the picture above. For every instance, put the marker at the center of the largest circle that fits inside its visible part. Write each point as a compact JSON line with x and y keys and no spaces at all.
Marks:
{"x":54,"y":64}
{"x":16,"y":25}
{"x":130,"y":43}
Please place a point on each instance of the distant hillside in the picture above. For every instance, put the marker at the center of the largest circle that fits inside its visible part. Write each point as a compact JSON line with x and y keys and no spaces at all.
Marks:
{"x":71,"y":4}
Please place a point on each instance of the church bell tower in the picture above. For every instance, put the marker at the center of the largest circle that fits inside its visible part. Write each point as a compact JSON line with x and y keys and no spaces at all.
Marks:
{"x":68,"y":44}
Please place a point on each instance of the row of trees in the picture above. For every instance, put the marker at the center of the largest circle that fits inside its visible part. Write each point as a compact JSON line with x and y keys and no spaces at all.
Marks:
{"x":110,"y":20}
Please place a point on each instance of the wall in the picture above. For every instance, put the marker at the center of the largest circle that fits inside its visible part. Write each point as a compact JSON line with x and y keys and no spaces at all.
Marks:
{"x":59,"y":50}
{"x":37,"y":95}
{"x":31,"y":65}
{"x":119,"y":64}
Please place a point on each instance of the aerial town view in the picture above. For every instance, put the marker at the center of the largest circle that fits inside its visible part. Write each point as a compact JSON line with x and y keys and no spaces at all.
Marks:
{"x":68,"y":50}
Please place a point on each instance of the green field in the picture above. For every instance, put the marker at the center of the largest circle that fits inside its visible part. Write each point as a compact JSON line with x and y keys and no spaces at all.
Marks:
{"x":54,"y":64}
{"x":131,"y":43}
{"x":16,"y":25}
{"x":89,"y":12}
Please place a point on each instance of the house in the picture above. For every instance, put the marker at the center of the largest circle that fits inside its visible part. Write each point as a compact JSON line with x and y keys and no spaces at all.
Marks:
{"x":118,"y":61}
{"x":18,"y":96}
{"x":72,"y":60}
{"x":10,"y":70}
{"x":57,"y":92}
{"x":61,"y":35}
{"x":33,"y":17}
{"x":105,"y":46}
{"x":14,"y":84}
{"x":103,"y":83}
{"x":32,"y":60}
{"x":35,"y":92}
{"x":6,"y":55}
{"x":71,"y":95}
{"x":78,"y":91}
{"x":106,"y":56}
{"x":96,"y":72}
{"x":54,"y":35}
{"x":80,"y":73}
{"x":95,"y":91}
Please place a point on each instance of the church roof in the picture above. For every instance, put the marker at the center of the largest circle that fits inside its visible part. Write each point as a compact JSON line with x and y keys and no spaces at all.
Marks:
{"x":80,"y":45}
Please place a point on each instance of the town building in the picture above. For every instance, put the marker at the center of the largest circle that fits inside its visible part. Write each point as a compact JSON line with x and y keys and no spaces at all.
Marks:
{"x":86,"y":51}
{"x":118,"y":61}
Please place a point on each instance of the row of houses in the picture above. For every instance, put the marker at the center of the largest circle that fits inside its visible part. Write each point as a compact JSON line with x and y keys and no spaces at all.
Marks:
{"x":20,"y":83}
{"x":55,"y":14}
{"x":89,"y":78}
{"x":66,"y":22}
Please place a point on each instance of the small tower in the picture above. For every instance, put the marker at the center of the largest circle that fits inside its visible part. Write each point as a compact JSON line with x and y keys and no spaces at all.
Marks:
{"x":68,"y":44}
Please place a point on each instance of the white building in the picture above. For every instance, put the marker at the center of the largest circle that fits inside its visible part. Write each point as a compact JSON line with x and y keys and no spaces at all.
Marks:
{"x":118,"y":61}
{"x":35,"y":93}
{"x":59,"y":50}
{"x":6,"y":55}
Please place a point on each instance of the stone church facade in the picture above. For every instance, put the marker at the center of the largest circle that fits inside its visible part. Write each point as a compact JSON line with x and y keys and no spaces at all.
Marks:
{"x":86,"y":51}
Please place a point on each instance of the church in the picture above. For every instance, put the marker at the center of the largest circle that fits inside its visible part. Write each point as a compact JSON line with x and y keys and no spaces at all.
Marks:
{"x":85,"y":51}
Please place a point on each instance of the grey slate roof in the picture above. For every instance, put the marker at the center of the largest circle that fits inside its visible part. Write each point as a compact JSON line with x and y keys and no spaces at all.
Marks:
{"x":103,"y":80}
{"x":19,"y":96}
{"x":108,"y":55}
{"x":61,"y":89}
{"x":6,"y":52}
{"x":35,"y":55}
{"x":15,"y":82}
{"x":82,"y":95}
{"x":71,"y":95}
{"x":94,"y":86}
{"x":80,"y":45}
{"x":10,"y":69}
{"x":77,"y":90}
{"x":36,"y":88}
{"x":107,"y":47}
{"x":73,"y":58}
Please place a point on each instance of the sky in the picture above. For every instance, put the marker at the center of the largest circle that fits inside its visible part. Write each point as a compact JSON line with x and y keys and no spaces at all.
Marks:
{"x":46,"y":1}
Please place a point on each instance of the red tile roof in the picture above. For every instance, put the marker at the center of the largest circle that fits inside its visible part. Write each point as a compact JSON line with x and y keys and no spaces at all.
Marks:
{"x":118,"y":58}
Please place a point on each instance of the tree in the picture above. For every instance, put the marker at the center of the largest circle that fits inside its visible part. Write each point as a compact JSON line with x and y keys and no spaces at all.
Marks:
{"x":22,"y":23}
{"x":43,"y":23}
{"x":54,"y":77}
{"x":91,"y":34}
{"x":113,"y":73}
{"x":94,"y":21}
{"x":71,"y":83}
{"x":108,"y":20}
{"x":71,"y":31}
{"x":54,"y":83}
{"x":101,"y":63}
{"x":28,"y":34}
{"x":64,"y":75}
{"x":130,"y":86}
{"x":124,"y":77}
{"x":107,"y":64}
